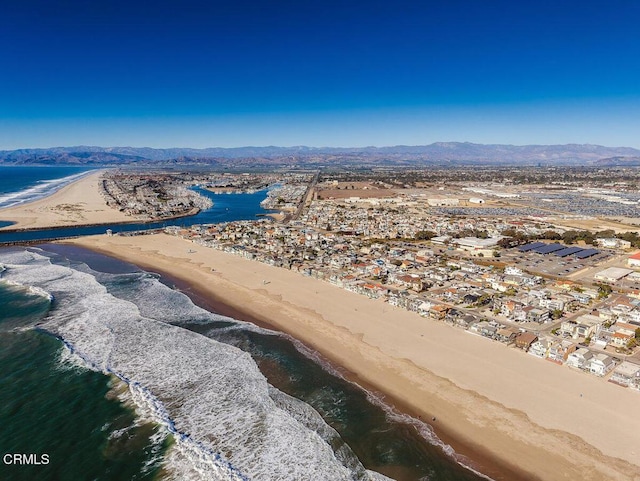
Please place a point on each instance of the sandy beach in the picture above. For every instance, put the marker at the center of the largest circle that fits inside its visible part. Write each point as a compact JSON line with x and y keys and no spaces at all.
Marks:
{"x":514,"y":415}
{"x":79,"y":203}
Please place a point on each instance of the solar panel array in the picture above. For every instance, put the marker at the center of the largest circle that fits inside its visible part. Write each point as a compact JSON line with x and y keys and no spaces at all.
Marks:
{"x":558,"y":250}
{"x":549,"y":248}
{"x":587,"y":253}
{"x":567,"y":251}
{"x":528,"y":247}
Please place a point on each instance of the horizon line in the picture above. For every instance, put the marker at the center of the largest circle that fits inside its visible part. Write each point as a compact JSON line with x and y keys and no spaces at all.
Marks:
{"x":318,"y":147}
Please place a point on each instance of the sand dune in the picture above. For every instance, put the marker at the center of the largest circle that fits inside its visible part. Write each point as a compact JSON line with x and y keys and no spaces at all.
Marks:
{"x":493,"y":403}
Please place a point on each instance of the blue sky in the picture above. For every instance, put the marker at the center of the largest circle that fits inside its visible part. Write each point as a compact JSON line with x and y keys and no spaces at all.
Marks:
{"x":206,"y":73}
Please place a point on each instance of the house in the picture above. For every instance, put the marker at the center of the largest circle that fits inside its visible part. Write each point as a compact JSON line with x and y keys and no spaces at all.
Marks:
{"x":626,"y":374}
{"x":488,"y":330}
{"x":452,"y":316}
{"x":620,"y":339}
{"x":580,"y":358}
{"x":410,"y":281}
{"x":538,"y":315}
{"x":506,"y":335}
{"x":587,"y":325}
{"x":512,"y":271}
{"x":509,"y":308}
{"x":438,"y":312}
{"x":601,"y":364}
{"x":559,"y":351}
{"x":553,"y":304}
{"x":471,"y":298}
{"x":466,"y":321}
{"x":540,"y":348}
{"x":568,"y":328}
{"x":623,"y":333}
{"x":525,"y":339}
{"x":477,"y":326}
{"x":424,"y":308}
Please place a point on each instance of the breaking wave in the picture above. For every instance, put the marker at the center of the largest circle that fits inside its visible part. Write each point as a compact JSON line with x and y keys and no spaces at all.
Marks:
{"x":42,"y":189}
{"x":151,"y":296}
{"x":228,"y":423}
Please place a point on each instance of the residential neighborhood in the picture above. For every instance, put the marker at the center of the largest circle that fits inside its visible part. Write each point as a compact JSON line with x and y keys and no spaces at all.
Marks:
{"x":456,"y":270}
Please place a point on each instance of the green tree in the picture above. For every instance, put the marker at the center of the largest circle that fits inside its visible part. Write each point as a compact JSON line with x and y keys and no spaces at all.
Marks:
{"x":425,"y":235}
{"x":604,"y":290}
{"x":551,"y":235}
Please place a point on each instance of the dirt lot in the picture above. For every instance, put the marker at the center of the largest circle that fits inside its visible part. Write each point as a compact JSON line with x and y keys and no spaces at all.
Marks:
{"x":344,"y":190}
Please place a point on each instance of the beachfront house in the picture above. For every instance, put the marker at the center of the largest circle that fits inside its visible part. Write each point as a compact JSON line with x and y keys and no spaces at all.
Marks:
{"x":540,"y":348}
{"x":580,"y":358}
{"x":488,"y":330}
{"x":438,"y":312}
{"x":506,"y":335}
{"x":466,"y":321}
{"x":626,"y":374}
{"x":525,"y":339}
{"x":601,"y":364}
{"x":559,"y":351}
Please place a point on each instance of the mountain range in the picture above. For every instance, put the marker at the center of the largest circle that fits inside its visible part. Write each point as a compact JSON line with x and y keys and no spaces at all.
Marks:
{"x":439,"y":153}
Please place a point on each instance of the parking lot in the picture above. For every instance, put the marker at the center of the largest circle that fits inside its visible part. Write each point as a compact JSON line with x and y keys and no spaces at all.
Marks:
{"x":551,"y":265}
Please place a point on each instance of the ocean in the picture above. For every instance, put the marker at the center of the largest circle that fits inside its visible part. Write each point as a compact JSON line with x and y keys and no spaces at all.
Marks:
{"x":232,"y":400}
{"x":23,"y":184}
{"x":52,"y":405}
{"x":20,"y":184}
{"x":114,"y":374}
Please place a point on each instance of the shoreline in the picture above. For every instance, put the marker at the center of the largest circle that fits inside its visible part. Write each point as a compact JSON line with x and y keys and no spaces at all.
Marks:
{"x":495,"y":405}
{"x":473,"y":458}
{"x":77,"y":204}
{"x":73,"y":205}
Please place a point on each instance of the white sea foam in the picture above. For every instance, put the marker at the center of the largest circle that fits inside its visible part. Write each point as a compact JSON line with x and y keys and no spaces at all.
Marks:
{"x":376,"y":398}
{"x":152,"y":297}
{"x":228,"y":423}
{"x":41,"y":189}
{"x":36,"y":291}
{"x":68,"y":361}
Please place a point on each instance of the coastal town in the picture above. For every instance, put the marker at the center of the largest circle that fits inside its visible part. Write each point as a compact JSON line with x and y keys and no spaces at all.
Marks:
{"x":149,"y":196}
{"x":520,"y":276}
{"x":434,"y":291}
{"x":320,"y":241}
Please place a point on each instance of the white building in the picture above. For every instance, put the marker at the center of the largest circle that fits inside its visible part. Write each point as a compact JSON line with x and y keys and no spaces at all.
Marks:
{"x":634,"y":260}
{"x":581,"y":358}
{"x":601,"y":364}
{"x":612,"y":274}
{"x":444,"y":202}
{"x":612,"y":243}
{"x":626,"y":374}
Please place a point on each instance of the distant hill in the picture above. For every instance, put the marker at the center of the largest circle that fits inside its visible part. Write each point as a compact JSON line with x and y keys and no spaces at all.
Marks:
{"x":439,"y":153}
{"x":70,"y":157}
{"x":619,"y":161}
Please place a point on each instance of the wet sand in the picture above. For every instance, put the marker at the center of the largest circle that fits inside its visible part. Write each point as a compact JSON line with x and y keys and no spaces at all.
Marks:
{"x":515,"y":416}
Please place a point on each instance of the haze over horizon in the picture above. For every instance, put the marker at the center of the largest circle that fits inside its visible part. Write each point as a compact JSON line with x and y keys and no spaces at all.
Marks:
{"x":210,"y":74}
